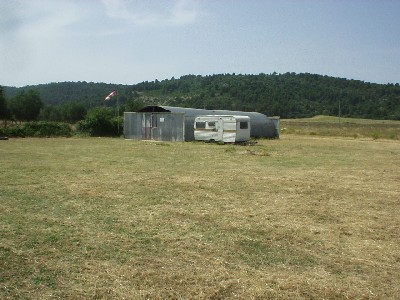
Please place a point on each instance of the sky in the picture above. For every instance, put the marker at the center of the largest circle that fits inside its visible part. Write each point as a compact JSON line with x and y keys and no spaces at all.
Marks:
{"x":130,"y":41}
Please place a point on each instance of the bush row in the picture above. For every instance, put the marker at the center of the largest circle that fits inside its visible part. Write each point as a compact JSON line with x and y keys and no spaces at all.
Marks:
{"x":37,"y":129}
{"x":98,"y":122}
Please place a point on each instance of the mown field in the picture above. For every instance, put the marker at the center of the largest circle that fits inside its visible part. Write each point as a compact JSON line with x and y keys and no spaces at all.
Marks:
{"x":343,"y":127}
{"x":302,"y":217}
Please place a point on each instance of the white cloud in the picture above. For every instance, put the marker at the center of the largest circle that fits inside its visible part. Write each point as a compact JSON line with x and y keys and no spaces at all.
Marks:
{"x":8,"y":15}
{"x":39,"y":19}
{"x":48,"y":17}
{"x":183,"y":12}
{"x":159,"y":13}
{"x":33,"y":32}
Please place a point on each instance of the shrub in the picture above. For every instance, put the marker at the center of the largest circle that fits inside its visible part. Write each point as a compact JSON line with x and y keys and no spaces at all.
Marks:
{"x":13,"y":131}
{"x":47,"y":129}
{"x":100,"y":122}
{"x":37,"y":129}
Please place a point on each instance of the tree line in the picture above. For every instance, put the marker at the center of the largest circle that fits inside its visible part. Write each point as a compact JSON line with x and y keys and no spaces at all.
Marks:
{"x":288,"y":95}
{"x":26,"y":114}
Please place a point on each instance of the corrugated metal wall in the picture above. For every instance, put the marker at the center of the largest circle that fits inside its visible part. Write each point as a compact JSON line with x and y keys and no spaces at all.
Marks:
{"x":159,"y":126}
{"x":166,"y":123}
{"x":132,"y":126}
{"x":261,"y":125}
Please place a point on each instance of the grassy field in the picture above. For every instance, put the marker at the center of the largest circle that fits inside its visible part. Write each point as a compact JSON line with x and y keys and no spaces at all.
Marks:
{"x":302,"y":217}
{"x":344,"y":127}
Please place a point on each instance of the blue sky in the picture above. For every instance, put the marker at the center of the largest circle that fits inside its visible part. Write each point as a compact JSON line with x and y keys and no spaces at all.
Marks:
{"x":130,"y":41}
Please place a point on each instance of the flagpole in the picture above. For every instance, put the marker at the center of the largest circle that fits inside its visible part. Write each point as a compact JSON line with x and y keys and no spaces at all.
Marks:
{"x":112,"y":94}
{"x":118,"y":112}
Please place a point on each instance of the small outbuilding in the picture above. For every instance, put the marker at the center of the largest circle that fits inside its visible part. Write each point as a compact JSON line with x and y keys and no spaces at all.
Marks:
{"x":167,"y":123}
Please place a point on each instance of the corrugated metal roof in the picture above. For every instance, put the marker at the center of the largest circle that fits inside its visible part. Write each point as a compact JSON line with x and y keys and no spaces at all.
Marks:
{"x":197,"y":112}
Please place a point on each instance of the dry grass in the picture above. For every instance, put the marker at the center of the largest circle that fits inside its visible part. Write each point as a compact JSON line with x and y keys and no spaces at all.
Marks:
{"x":344,"y":127}
{"x":296,"y":218}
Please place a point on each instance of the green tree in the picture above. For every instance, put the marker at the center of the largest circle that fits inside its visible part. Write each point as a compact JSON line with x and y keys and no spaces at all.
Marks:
{"x":51,"y":113}
{"x":26,"y":106}
{"x":99,"y":122}
{"x":73,"y":112}
{"x":4,"y":112}
{"x":134,"y":105}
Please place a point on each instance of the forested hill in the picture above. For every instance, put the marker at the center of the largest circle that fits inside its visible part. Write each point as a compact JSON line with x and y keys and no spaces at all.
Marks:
{"x":287,"y":95}
{"x":88,"y":93}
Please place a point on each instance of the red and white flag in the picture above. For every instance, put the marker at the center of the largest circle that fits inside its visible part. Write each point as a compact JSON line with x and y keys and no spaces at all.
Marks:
{"x":112,"y":94}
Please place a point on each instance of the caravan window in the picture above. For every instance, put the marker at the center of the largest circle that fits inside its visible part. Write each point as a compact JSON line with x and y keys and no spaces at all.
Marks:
{"x":201,"y":125}
{"x":211,"y":124}
{"x":244,"y":125}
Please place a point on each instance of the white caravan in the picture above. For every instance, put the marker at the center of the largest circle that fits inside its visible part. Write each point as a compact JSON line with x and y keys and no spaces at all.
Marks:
{"x":221,"y":128}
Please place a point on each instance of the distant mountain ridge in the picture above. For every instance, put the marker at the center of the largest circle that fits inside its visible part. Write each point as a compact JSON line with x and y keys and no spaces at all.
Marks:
{"x":288,"y":95}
